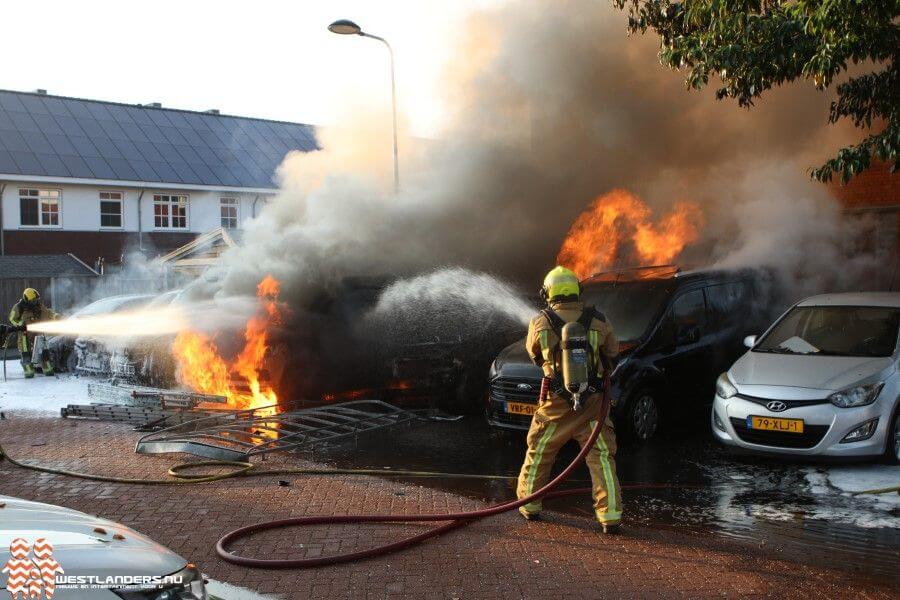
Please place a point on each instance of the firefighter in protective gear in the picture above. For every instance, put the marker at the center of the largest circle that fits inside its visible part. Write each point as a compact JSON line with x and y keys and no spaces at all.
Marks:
{"x":556,"y":421}
{"x":26,"y":311}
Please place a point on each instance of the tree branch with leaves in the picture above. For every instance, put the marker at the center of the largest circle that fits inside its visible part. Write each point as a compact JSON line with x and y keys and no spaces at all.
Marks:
{"x":754,"y":45}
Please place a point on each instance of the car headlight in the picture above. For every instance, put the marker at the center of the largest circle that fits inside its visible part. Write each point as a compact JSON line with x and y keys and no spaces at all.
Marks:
{"x":493,"y":370}
{"x":857,"y":396}
{"x":724,"y":387}
{"x":186,"y":584}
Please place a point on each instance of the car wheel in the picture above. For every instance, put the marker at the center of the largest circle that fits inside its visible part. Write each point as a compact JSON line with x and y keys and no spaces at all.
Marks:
{"x":892,"y":452}
{"x":642,"y":416}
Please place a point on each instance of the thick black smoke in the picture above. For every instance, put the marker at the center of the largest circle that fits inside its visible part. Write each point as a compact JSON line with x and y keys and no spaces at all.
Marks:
{"x":553,"y":104}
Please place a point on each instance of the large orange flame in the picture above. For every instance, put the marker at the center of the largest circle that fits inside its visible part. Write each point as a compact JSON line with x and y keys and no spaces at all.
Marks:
{"x":202,"y":368}
{"x":595,"y":240}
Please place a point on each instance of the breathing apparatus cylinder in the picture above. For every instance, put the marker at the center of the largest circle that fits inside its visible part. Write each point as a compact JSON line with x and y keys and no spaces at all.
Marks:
{"x":575,"y":359}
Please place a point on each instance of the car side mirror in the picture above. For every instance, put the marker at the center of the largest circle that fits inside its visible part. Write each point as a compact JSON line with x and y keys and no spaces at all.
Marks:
{"x":750,"y":341}
{"x":688,"y":335}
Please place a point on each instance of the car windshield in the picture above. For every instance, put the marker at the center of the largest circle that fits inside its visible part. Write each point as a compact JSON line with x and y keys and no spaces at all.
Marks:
{"x":834,"y":331}
{"x":629,"y":306}
{"x":113,"y":304}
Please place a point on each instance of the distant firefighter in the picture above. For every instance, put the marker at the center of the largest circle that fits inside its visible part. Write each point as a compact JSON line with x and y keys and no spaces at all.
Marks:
{"x":30,"y":309}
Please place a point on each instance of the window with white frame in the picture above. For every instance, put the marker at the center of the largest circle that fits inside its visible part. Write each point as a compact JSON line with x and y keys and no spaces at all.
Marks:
{"x":229,"y":211}
{"x":39,"y":208}
{"x":170,"y":211}
{"x":111,"y":209}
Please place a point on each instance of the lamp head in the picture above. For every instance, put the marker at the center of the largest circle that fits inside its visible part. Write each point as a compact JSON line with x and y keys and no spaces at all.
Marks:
{"x":345,"y":27}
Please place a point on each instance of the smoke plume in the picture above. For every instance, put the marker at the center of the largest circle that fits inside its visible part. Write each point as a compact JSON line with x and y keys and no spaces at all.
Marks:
{"x":552,"y":105}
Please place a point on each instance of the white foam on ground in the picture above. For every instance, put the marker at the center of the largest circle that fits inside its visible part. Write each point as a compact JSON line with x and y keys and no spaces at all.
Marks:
{"x":40,"y":395}
{"x":863,"y":510}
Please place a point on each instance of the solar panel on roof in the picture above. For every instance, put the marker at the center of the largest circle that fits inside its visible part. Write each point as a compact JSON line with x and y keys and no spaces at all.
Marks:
{"x":128,"y":150}
{"x":70,"y":125}
{"x":7,"y":164}
{"x":107,"y":148}
{"x":134,"y":132}
{"x":149,"y":152}
{"x":84,"y":146}
{"x":79,"y":109}
{"x":13,"y":140}
{"x":98,"y":111}
{"x":185,"y":173}
{"x":48,"y":135}
{"x":56,"y":107}
{"x":11,"y":102}
{"x":47,"y":124}
{"x":76,"y":165}
{"x":99,"y":167}
{"x":27,"y":162}
{"x":166,"y":172}
{"x":122,"y":169}
{"x":52,"y":165}
{"x":112,"y":129}
{"x":178,"y":120}
{"x":91,"y":127}
{"x":61,"y":144}
{"x":37,"y":143}
{"x":23,"y":121}
{"x":144,"y":171}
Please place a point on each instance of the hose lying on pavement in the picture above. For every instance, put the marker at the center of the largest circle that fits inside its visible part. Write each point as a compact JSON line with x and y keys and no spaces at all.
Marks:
{"x":246,"y":469}
{"x":454,"y":520}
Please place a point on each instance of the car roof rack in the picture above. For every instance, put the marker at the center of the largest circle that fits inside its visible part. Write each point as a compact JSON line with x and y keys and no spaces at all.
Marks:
{"x":636,"y":273}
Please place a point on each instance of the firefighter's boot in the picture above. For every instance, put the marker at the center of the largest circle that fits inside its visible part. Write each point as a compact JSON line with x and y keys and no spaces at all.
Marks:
{"x":28,"y":369}
{"x":611,"y":528}
{"x":47,"y":368}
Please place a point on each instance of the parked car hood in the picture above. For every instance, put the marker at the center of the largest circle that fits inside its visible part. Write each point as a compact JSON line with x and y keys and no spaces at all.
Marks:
{"x":832,"y":373}
{"x":77,"y":545}
{"x":513,"y":361}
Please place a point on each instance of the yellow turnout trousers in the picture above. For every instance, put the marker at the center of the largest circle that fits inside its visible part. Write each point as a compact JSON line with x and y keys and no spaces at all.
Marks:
{"x":554,"y":424}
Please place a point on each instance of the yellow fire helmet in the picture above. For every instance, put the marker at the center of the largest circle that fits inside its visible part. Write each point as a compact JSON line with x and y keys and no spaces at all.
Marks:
{"x":30,"y":295}
{"x":560,"y":283}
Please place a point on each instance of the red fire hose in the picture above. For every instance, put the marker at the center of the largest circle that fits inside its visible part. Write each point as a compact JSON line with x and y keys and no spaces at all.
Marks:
{"x":455,"y":519}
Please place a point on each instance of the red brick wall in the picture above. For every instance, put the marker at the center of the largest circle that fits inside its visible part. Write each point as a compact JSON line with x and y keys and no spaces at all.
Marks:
{"x":872,"y":188}
{"x":90,"y":245}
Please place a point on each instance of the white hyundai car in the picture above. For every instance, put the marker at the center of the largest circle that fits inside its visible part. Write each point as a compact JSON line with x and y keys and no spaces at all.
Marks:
{"x":49,"y":551}
{"x":822,"y":381}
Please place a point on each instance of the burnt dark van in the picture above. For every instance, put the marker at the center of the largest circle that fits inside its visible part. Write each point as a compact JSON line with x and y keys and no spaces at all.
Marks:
{"x":678,"y":330}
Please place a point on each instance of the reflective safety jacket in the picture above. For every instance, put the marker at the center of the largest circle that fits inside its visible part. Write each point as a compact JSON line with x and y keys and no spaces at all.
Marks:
{"x":23,"y":313}
{"x":542,"y":342}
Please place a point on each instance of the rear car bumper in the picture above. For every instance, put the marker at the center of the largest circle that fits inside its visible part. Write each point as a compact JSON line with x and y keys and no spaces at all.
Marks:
{"x":825,"y":425}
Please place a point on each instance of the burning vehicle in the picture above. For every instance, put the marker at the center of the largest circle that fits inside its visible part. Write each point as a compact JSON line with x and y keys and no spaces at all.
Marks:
{"x":677,"y":331}
{"x":63,"y":347}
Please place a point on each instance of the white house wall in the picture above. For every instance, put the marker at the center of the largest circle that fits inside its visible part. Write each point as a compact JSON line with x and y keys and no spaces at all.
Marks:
{"x":80,"y":207}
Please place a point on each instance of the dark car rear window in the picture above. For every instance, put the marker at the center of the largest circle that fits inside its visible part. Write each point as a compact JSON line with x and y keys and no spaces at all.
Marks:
{"x":629,"y":306}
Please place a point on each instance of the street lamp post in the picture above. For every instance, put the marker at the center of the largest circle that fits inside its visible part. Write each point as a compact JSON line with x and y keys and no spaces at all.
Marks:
{"x":347,"y":27}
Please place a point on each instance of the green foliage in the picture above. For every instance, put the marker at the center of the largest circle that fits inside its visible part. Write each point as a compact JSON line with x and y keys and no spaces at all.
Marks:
{"x":754,"y":45}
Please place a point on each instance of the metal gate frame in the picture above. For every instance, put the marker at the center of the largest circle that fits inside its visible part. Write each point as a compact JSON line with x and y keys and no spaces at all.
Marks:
{"x":238,"y":436}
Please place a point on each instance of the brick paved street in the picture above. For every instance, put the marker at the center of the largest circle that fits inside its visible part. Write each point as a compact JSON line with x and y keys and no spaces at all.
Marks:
{"x":502,"y":557}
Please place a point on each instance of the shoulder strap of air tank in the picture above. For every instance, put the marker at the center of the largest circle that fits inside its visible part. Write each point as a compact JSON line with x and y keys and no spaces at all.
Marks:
{"x":590,"y":313}
{"x":556,"y":321}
